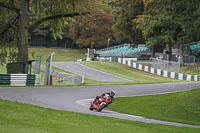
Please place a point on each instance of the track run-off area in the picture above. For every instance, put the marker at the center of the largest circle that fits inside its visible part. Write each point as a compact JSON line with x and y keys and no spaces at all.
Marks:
{"x":78,"y":98}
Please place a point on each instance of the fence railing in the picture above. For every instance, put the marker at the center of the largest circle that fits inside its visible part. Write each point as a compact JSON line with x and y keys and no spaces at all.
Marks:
{"x":171,"y":66}
{"x":155,"y":71}
{"x":61,"y":78}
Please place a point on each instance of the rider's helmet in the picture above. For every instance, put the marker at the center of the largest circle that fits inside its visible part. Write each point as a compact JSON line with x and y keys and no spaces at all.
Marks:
{"x":112,"y":93}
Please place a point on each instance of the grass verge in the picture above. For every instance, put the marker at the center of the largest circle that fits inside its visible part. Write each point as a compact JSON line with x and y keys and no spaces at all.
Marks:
{"x":183,"y":107}
{"x":61,"y":55}
{"x":3,"y":69}
{"x":136,"y":76}
{"x":23,"y":118}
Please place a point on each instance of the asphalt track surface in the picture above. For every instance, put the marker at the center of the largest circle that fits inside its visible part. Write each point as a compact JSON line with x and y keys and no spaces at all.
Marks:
{"x":77,"y":99}
{"x":85,"y":71}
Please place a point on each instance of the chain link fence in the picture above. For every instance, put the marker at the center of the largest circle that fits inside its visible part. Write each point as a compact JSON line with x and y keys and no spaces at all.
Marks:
{"x":171,"y":66}
{"x":189,"y":60}
{"x":61,"y":78}
{"x":37,"y":64}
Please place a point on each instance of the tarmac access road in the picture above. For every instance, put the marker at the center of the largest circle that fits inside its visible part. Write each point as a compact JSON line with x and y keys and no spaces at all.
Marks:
{"x":77,"y":99}
{"x":88,"y":72}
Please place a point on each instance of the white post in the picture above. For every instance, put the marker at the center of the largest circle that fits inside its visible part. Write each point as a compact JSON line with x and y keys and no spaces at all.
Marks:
{"x":82,"y":80}
{"x":88,"y":55}
{"x":108,"y":42}
{"x":48,"y":69}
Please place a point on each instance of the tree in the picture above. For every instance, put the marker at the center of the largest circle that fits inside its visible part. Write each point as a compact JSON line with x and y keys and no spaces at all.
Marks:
{"x":25,"y":15}
{"x":128,"y":11}
{"x":169,"y":22}
{"x":156,"y":24}
{"x":92,"y":31}
{"x":189,"y":19}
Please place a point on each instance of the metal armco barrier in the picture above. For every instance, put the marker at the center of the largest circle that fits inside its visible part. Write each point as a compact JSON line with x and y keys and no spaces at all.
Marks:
{"x":5,"y":79}
{"x":19,"y":79}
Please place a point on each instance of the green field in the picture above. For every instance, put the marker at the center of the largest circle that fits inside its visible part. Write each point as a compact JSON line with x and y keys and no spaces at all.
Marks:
{"x":183,"y":107}
{"x":61,"y":55}
{"x":22,"y":118}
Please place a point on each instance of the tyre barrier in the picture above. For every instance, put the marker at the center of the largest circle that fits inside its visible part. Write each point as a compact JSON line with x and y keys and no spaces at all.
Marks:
{"x":20,"y":79}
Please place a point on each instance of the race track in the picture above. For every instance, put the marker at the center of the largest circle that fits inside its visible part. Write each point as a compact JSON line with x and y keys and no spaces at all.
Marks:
{"x":88,"y":72}
{"x":77,"y":99}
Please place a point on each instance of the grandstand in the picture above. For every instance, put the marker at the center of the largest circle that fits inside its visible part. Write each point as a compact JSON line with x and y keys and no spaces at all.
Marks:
{"x":124,"y":50}
{"x":195,"y":46}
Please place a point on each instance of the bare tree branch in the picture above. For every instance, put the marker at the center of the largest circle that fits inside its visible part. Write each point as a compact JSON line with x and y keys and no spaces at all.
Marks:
{"x":10,"y":7}
{"x":12,"y":24}
{"x":32,"y":27}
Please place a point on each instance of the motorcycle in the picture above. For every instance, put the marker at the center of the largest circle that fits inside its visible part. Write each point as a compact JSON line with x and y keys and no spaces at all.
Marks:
{"x":101,"y":103}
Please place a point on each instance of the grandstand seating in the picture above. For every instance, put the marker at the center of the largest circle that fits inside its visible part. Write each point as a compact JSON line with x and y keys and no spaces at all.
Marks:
{"x":122,"y":50}
{"x":195,"y":46}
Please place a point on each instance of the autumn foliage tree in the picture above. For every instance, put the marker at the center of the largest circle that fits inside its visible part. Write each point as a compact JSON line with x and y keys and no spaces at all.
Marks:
{"x":92,"y":31}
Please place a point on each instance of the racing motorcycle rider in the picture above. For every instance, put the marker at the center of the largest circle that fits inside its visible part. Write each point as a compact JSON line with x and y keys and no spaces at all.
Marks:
{"x":111,"y":94}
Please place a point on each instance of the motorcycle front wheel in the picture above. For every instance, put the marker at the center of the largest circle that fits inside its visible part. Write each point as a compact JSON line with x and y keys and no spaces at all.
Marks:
{"x":102,"y":106}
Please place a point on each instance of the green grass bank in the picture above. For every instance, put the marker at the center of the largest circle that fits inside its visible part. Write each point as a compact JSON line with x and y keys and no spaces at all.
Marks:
{"x":61,"y":55}
{"x":23,"y":118}
{"x":183,"y":107}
